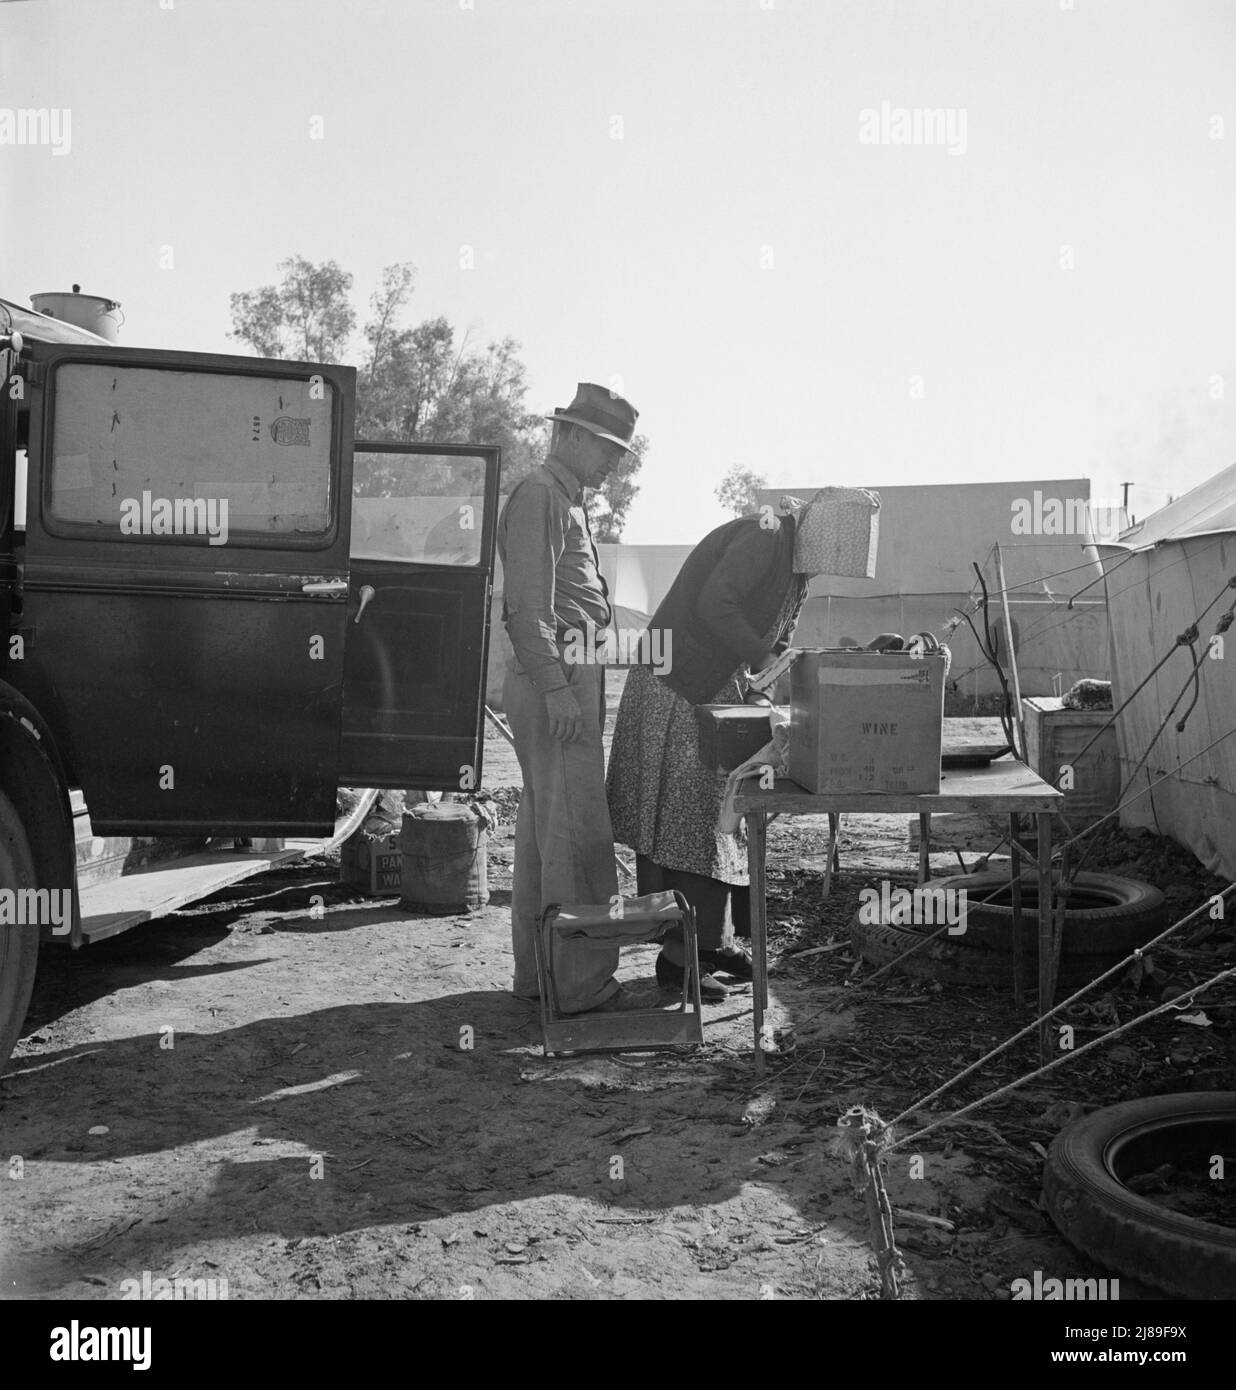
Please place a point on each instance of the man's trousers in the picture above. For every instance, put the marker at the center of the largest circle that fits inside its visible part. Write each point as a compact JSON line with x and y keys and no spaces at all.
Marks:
{"x":564,"y":842}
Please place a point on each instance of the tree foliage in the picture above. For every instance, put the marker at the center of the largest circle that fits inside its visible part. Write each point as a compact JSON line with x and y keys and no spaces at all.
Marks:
{"x":413,"y":383}
{"x":613,"y":499}
{"x":306,"y":316}
{"x":738,"y":491}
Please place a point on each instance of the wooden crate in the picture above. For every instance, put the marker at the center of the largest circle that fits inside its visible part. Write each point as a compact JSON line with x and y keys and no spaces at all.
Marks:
{"x":730,"y":734}
{"x":1055,"y":736}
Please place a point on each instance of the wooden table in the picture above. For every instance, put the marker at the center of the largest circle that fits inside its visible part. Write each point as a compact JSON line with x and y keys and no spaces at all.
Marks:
{"x":1002,"y":786}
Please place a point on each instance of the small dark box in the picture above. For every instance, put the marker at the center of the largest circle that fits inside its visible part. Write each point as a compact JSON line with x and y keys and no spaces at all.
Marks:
{"x":730,"y":734}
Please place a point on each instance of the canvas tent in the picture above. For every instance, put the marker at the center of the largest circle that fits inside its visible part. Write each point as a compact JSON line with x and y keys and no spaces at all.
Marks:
{"x":1208,"y":508}
{"x":1173,"y":565}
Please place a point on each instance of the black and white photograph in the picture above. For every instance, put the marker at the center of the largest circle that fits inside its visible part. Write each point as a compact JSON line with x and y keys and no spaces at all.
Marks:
{"x":617,"y":674}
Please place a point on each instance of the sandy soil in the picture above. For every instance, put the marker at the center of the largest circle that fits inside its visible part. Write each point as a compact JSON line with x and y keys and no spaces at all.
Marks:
{"x":343,"y":1100}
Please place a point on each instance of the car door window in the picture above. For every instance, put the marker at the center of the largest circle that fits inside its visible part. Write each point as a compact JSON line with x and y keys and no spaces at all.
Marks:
{"x":19,"y":501}
{"x":424,"y":518}
{"x":424,"y":508}
{"x":140,"y":451}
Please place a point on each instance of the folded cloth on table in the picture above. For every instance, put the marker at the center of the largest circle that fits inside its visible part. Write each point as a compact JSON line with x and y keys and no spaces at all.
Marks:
{"x":771,"y":755}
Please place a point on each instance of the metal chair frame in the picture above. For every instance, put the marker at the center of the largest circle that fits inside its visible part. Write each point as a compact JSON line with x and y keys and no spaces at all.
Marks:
{"x":633,"y":1030}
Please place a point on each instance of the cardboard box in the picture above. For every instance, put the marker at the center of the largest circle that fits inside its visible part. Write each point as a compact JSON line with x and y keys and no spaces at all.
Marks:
{"x":1055,"y":737}
{"x":373,"y":863}
{"x":730,"y":734}
{"x":866,"y":721}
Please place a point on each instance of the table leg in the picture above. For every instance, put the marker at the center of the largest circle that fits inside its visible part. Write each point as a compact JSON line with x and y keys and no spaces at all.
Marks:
{"x":1046,"y":922}
{"x":757,"y":830}
{"x":1019,"y":951}
{"x":924,"y":847}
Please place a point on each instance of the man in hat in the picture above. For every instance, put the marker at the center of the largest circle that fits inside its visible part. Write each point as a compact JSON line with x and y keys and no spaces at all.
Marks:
{"x":555,"y":602}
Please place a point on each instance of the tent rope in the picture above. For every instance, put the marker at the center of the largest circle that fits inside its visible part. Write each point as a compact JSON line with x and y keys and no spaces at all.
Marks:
{"x":1136,"y":954}
{"x":1182,"y":1001}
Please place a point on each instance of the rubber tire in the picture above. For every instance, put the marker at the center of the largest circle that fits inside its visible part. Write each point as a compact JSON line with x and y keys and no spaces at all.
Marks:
{"x":1134,"y":913}
{"x":951,"y":961}
{"x":19,"y":945}
{"x":1098,"y":1215}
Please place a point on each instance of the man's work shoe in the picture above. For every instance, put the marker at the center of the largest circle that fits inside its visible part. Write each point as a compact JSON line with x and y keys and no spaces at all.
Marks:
{"x":625,"y":998}
{"x":734,"y":961}
{"x":669,"y":976}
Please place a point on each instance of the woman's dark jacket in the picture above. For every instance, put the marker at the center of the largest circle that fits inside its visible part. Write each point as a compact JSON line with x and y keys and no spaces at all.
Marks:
{"x":726,"y":597}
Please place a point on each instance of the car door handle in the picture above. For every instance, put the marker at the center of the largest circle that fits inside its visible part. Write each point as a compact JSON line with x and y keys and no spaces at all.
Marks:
{"x":325,"y":586}
{"x":366,"y":593}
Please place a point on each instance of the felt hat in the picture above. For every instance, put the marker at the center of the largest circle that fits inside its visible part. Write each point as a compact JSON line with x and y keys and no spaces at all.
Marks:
{"x":598,"y":409}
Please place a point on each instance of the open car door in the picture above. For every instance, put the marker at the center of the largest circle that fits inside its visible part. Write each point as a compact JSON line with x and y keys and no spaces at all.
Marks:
{"x":186,"y":584}
{"x":424,"y":523}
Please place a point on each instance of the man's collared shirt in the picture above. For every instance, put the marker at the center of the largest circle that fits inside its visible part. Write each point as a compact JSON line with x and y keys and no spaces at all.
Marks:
{"x":552,"y":579}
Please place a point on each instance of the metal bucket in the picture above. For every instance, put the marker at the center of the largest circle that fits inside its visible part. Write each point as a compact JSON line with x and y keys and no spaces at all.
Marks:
{"x":89,"y":311}
{"x":444,"y":846}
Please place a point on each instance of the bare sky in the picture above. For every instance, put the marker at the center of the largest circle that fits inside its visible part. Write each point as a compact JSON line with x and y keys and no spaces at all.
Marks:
{"x":767,"y":274}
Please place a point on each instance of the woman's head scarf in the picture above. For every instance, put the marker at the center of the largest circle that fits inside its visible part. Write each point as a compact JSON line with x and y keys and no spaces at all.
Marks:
{"x":835,"y":532}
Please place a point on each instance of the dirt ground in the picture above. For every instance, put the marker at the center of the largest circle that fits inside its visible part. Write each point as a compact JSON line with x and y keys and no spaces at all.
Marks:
{"x":344,"y":1100}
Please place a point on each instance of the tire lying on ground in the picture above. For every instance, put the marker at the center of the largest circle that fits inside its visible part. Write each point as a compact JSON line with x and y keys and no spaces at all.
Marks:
{"x":1112,"y":916}
{"x":950,"y":961}
{"x":1107,"y":915}
{"x":1084,"y":1191}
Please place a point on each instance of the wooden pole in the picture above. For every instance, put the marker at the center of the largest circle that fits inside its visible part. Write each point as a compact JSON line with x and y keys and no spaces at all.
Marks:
{"x":1047,"y":950}
{"x":1019,"y":952}
{"x":1012,"y":656}
{"x":756,"y":837}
